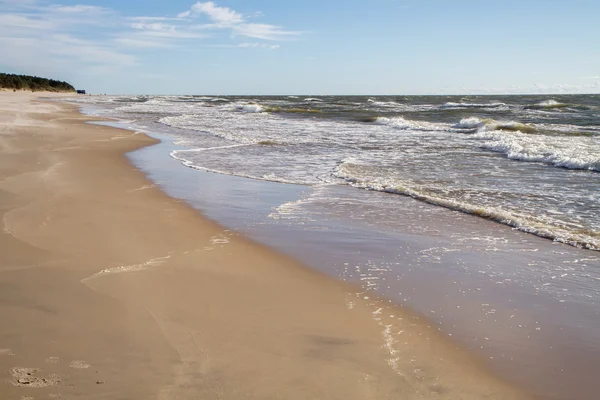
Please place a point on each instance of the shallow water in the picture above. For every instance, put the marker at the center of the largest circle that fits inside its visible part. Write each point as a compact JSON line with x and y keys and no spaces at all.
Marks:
{"x":530,"y":162}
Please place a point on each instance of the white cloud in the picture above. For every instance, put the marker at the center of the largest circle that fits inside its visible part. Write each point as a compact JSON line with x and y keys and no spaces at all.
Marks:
{"x":132,"y":42}
{"x":37,"y":36}
{"x":219,"y":15}
{"x":226,"y":18}
{"x":80,"y":9}
{"x":42,"y":37}
{"x":148,"y":33}
{"x":259,"y":45}
{"x":263,"y":31}
{"x":148,"y":19}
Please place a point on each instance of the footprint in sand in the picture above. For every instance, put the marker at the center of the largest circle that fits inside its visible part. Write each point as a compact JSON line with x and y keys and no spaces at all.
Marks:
{"x":79,"y":364}
{"x":6,"y":352}
{"x":27,"y":377}
{"x":52,"y":360}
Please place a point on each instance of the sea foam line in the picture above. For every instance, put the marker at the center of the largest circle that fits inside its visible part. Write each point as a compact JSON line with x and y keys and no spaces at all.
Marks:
{"x":585,"y":239}
{"x":190,"y":164}
{"x":129,"y":268}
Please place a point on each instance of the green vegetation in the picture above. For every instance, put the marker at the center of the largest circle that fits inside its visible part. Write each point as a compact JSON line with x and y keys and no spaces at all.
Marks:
{"x":33,"y":83}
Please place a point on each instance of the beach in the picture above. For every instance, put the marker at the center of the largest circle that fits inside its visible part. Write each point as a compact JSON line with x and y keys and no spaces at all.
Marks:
{"x":112,"y":289}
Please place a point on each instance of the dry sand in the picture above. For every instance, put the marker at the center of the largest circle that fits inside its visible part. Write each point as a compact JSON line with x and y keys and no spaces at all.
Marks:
{"x":110,"y":289}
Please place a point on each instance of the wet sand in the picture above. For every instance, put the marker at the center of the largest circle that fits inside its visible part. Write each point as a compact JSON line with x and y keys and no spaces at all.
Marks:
{"x":109,"y":288}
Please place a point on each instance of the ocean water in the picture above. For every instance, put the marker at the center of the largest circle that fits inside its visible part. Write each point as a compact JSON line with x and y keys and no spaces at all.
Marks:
{"x":444,"y":205}
{"x":530,"y":162}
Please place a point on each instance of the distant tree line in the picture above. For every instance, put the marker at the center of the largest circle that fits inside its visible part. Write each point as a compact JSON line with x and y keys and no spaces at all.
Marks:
{"x":35,"y":83}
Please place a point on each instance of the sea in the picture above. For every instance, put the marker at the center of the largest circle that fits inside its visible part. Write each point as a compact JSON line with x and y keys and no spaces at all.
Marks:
{"x":480,"y":213}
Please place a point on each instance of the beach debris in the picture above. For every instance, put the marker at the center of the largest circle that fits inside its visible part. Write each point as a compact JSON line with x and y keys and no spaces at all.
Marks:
{"x":27,"y":377}
{"x":79,"y":364}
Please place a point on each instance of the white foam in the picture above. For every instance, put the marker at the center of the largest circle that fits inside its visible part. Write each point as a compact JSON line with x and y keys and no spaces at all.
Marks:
{"x":176,"y":154}
{"x":377,"y":103}
{"x":560,"y":151}
{"x":550,"y":104}
{"x":470,"y":123}
{"x":401,"y":123}
{"x":477,"y":124}
{"x":584,"y":238}
{"x":252,"y":108}
{"x":473,"y":105}
{"x":294,"y":210}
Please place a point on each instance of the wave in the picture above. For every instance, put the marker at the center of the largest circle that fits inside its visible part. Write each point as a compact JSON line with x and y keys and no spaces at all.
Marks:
{"x":268,"y":142}
{"x":405,"y":124}
{"x":478,"y":124}
{"x":349,"y":171}
{"x":547,"y":105}
{"x":251,"y":108}
{"x":383,"y":103}
{"x":135,"y":99}
{"x":452,"y":105}
{"x":206,"y":98}
{"x":175,"y":154}
{"x":313,"y":100}
{"x":562,"y":152}
{"x":526,"y":142}
{"x":158,"y":106}
{"x":292,"y":110}
{"x":191,"y":99}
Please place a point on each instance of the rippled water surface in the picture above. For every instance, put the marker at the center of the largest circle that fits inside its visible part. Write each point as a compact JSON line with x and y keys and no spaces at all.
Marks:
{"x":531,"y":162}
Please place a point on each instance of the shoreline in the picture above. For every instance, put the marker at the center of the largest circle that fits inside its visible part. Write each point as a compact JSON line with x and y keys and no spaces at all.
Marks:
{"x":513,"y":300}
{"x":169,"y":307}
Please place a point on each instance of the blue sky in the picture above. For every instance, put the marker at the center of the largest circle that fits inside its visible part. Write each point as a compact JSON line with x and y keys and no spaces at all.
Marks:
{"x":306,"y":47}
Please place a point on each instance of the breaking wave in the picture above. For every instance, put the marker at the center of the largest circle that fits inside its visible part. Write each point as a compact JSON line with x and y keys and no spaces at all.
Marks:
{"x":526,"y":142}
{"x":555,"y":150}
{"x":452,"y":105}
{"x":251,"y":108}
{"x":383,"y":103}
{"x":405,"y":124}
{"x":573,"y":235}
{"x":477,"y":124}
{"x":547,"y":105}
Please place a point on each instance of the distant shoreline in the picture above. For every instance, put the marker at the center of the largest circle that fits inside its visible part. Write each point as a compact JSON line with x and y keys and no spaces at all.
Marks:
{"x":16,"y":82}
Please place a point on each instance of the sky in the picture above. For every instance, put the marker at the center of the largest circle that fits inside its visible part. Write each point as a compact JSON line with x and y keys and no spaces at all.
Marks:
{"x":395,"y":47}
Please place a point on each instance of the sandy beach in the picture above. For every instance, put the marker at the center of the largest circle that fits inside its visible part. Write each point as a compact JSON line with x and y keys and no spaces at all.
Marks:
{"x":110,"y":289}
